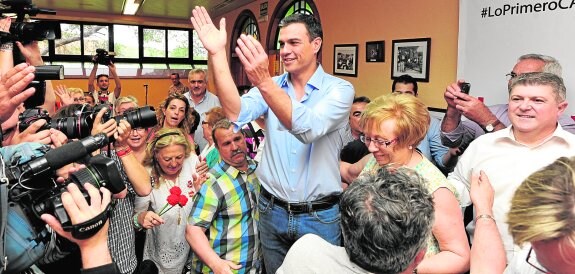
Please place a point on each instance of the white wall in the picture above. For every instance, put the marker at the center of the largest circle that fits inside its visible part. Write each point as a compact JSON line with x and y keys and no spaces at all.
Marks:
{"x":489,"y":46}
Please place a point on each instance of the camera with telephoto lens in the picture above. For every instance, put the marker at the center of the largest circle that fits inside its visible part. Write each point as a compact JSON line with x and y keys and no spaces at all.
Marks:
{"x":103,"y":57}
{"x":32,"y":191}
{"x":80,"y":125}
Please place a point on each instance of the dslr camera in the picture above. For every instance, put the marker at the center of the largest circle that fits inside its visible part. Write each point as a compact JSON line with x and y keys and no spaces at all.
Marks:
{"x":103,"y":57}
{"x":80,"y":125}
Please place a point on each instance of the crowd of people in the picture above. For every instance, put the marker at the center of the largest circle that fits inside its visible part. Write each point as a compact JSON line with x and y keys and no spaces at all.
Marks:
{"x":342,"y":184}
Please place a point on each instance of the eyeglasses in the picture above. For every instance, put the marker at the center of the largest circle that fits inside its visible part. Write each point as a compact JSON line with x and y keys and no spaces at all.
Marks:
{"x":79,"y":99}
{"x":532,"y":261}
{"x":511,"y":75}
{"x":196,"y":82}
{"x":378,"y":142}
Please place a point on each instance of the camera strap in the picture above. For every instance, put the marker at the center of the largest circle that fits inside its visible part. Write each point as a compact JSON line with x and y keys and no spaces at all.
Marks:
{"x":90,"y":227}
{"x":3,"y":215}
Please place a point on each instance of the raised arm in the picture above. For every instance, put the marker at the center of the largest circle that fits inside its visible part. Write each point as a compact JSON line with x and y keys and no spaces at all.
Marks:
{"x":214,"y":41}
{"x":6,"y":47}
{"x":114,"y":74}
{"x":137,"y":174}
{"x":487,"y":251}
{"x":91,"y":79}
{"x":33,"y":57}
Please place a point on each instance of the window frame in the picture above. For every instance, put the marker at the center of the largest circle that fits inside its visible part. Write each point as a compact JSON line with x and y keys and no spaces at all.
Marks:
{"x":141,"y":60}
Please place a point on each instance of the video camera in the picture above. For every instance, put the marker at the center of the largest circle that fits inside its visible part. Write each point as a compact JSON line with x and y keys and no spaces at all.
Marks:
{"x":32,"y":192}
{"x":23,"y":31}
{"x":103,"y":57}
{"x":80,"y":125}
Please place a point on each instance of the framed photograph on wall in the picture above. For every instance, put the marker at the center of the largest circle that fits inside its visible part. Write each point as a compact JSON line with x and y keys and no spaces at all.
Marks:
{"x":345,"y":60}
{"x":411,"y":56}
{"x":375,"y":51}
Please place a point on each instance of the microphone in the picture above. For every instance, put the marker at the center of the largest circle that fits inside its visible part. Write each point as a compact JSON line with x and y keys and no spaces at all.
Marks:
{"x":66,"y":154}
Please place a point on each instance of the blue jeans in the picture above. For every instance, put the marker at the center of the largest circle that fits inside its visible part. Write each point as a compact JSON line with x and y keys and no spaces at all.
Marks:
{"x":279,"y":229}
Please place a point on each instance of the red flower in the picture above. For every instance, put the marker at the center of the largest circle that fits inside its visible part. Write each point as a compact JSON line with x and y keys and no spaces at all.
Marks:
{"x":173,"y":199}
{"x":175,"y":190}
{"x":183,"y":200}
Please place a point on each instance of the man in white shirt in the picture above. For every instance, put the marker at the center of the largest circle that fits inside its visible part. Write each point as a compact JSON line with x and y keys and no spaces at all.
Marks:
{"x":456,"y":132}
{"x":201,"y":100}
{"x":508,"y":156}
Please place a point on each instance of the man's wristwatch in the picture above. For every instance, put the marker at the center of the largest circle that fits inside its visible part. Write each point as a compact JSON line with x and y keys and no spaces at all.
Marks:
{"x":490,"y":127}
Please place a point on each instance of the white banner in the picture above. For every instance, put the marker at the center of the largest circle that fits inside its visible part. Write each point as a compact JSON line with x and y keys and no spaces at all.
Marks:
{"x":494,"y":33}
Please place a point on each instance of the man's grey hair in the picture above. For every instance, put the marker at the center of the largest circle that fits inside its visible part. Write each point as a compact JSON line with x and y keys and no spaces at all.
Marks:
{"x":386,"y":219}
{"x":199,"y":71}
{"x":551,"y":64}
{"x":311,"y":23}
{"x":541,"y":79}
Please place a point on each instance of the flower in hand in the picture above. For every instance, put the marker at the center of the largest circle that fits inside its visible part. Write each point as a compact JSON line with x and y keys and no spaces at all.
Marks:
{"x":175,"y":198}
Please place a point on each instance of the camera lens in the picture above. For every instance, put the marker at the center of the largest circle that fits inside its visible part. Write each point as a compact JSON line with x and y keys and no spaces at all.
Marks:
{"x":100,"y":172}
{"x":143,"y":117}
{"x":74,"y":127}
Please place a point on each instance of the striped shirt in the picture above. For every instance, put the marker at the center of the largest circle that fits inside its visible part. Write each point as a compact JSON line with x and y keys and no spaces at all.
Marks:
{"x":121,"y":236}
{"x":226,"y":207}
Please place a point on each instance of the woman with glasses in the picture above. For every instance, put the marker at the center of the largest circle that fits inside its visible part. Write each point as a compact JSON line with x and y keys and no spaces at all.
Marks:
{"x":393,"y":125}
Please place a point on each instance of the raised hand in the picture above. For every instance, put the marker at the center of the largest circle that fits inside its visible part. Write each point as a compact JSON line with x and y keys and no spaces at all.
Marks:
{"x":214,"y":40}
{"x":481,"y":193}
{"x":62,"y":92}
{"x":12,"y":85}
{"x":254,"y":58}
{"x":31,"y":52}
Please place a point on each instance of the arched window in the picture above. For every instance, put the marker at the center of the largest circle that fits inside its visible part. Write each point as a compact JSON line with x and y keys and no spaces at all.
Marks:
{"x":245,"y":24}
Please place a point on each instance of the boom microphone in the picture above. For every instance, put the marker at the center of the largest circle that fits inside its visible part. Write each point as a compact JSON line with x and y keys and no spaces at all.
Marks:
{"x":68,"y":153}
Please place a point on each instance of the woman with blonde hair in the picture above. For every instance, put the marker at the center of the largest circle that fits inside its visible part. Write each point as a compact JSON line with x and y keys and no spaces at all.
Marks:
{"x":171,"y":164}
{"x":393,"y":125}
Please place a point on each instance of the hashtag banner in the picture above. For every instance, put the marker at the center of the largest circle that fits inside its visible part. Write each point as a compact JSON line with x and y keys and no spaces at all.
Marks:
{"x":494,"y":33}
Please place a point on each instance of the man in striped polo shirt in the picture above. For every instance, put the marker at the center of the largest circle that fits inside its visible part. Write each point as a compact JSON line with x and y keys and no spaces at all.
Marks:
{"x":225,"y":208}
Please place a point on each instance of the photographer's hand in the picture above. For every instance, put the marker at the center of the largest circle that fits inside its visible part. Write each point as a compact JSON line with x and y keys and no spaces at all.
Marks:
{"x":12,"y":85}
{"x":109,"y":127}
{"x":94,"y":250}
{"x":31,"y":52}
{"x":122,"y":134}
{"x":31,"y":134}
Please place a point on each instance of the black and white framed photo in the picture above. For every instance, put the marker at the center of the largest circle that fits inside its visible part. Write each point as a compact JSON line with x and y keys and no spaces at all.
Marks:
{"x":375,"y":51}
{"x":411,"y":56}
{"x":345,"y":60}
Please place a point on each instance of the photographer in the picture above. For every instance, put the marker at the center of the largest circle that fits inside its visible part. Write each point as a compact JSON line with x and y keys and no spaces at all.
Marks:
{"x":31,"y":52}
{"x":96,"y":257}
{"x":13,"y":92}
{"x":134,"y":176}
{"x":102,"y":94}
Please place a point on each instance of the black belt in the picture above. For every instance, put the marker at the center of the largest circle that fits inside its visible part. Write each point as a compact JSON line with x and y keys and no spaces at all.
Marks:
{"x":305,"y":207}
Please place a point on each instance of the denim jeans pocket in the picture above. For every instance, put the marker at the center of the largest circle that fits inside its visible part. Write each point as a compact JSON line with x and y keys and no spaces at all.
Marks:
{"x":328,"y":216}
{"x":264,"y":205}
